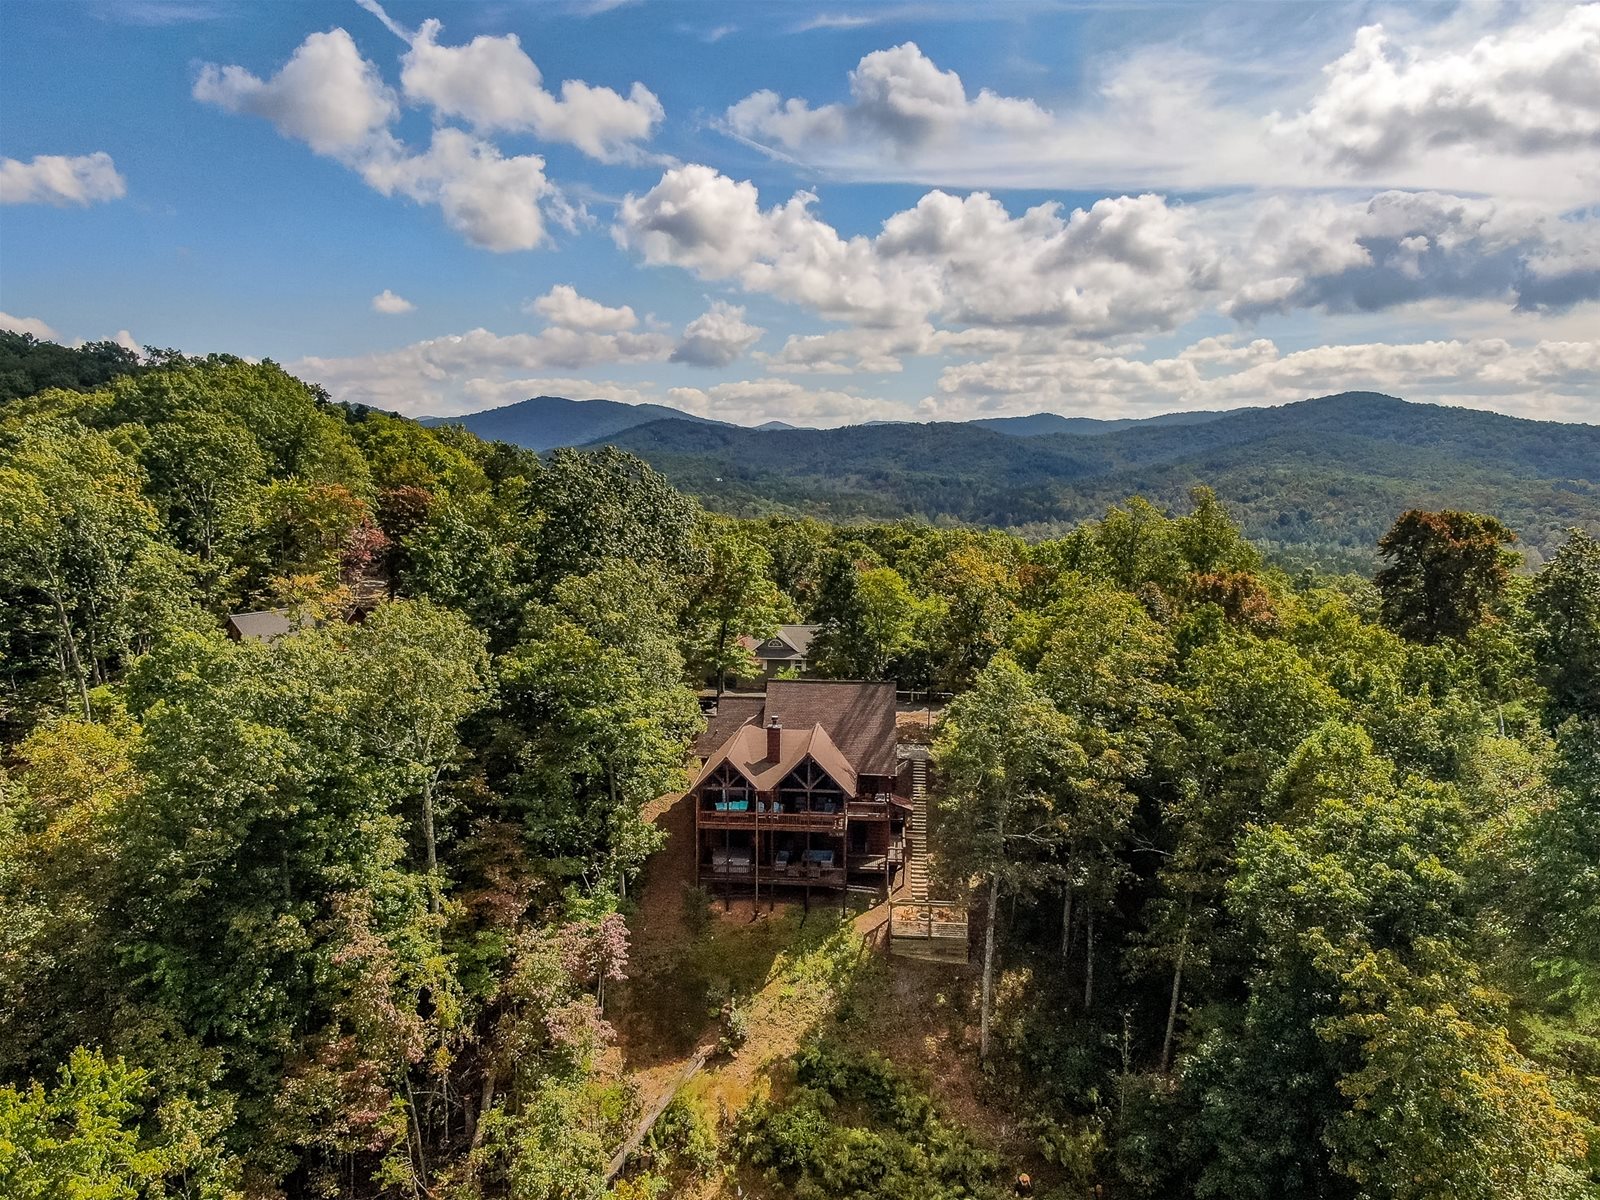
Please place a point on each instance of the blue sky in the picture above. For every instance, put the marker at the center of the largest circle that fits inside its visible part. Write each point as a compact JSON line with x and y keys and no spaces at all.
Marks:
{"x":819,"y":213}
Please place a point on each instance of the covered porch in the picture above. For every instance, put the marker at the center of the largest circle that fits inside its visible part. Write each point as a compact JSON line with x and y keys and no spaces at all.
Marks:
{"x":781,"y":858}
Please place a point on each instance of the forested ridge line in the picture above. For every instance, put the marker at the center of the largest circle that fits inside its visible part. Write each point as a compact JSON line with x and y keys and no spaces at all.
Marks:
{"x":1313,"y":483}
{"x":1290,"y":880}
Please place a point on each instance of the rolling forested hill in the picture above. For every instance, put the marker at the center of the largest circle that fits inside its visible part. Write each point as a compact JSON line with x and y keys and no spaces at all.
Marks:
{"x":1037,"y":424}
{"x":546,"y":422}
{"x":1318,"y":480}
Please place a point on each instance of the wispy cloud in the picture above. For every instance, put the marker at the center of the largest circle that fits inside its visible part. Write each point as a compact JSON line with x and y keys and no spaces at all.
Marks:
{"x":834,"y":21}
{"x":389,"y":23}
{"x":160,"y":12}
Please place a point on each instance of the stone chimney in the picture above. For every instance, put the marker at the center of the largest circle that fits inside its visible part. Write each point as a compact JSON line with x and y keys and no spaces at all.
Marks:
{"x":774,"y":738}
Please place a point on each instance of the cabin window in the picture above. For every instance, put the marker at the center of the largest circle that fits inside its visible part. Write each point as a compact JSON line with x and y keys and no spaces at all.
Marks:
{"x":808,"y":788}
{"x":726,"y":791}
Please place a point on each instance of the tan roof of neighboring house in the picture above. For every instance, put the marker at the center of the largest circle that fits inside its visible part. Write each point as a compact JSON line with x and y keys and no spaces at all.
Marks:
{"x":267,"y":625}
{"x":790,"y":643}
{"x":746,"y":750}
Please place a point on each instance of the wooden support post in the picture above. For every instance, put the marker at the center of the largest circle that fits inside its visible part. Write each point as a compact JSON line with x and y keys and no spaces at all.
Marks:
{"x":844,"y":860}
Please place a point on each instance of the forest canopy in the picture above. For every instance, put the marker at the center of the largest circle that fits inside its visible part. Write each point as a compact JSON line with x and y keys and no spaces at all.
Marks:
{"x":1286,"y":884}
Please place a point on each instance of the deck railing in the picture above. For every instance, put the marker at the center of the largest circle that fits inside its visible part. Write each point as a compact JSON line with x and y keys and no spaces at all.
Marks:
{"x":770,"y":818}
{"x":929,"y":929}
{"x":797,"y":874}
{"x":876,"y":808}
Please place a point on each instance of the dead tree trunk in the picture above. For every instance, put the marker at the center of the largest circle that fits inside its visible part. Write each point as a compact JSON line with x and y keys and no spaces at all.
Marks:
{"x":1088,"y":963}
{"x":430,"y":844}
{"x":1177,"y":987}
{"x":1066,"y":921}
{"x":69,"y":653}
{"x":988,"y":967}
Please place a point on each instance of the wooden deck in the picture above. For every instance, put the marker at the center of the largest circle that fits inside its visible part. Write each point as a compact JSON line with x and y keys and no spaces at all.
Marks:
{"x":796,"y":822}
{"x":795,"y":875}
{"x":928,"y":929}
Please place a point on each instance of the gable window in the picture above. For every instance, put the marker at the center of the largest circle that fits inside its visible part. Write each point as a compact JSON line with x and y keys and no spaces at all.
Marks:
{"x":808,"y":788}
{"x":726,"y":791}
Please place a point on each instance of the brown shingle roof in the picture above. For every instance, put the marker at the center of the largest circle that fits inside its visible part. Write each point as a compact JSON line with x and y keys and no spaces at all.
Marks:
{"x":747,"y":750}
{"x":858,"y":716}
{"x":732,"y":712}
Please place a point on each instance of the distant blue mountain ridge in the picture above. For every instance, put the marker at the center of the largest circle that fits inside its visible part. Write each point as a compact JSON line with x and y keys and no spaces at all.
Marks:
{"x":547,"y":422}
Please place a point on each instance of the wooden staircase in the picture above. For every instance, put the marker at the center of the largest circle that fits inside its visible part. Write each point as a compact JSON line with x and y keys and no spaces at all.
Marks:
{"x":917,"y":867}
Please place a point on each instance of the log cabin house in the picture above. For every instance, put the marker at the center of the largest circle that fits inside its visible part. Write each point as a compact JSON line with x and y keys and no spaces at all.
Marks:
{"x":801,"y":788}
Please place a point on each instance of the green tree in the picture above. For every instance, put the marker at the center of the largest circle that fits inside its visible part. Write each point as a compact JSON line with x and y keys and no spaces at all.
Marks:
{"x":58,"y":969}
{"x":1106,"y":664}
{"x":421,"y":670}
{"x":589,"y":506}
{"x":1361,"y":916}
{"x":264,"y":807}
{"x":870,"y":621}
{"x":730,"y":596}
{"x":1209,"y":540}
{"x":72,"y":524}
{"x":88,"y":1138}
{"x":1444,"y":572}
{"x":596,"y":722}
{"x":1140,"y":544}
{"x":971,"y":613}
{"x":1566,"y":604}
{"x":205,"y":473}
{"x":465,"y":555}
{"x":1004,"y":754}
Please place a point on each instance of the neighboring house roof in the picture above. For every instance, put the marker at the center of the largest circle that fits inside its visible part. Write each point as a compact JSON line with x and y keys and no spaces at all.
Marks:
{"x":857,"y":716}
{"x":746,"y":751}
{"x":263,"y":626}
{"x":792,"y":643}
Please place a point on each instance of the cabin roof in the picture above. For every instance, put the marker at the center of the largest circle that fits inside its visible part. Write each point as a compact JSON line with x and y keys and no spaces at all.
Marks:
{"x":856,"y":715}
{"x":731,"y":713}
{"x":747,"y":749}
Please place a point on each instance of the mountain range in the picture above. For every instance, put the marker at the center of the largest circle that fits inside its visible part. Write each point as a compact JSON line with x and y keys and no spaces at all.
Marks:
{"x":547,"y":422}
{"x":1316,"y":481}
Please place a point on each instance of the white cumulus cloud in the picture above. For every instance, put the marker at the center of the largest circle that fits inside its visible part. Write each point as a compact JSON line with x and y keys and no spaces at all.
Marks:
{"x":60,"y":180}
{"x":335,"y":101}
{"x":327,"y":95}
{"x":899,"y":99}
{"x":1123,"y":266}
{"x":717,"y":337}
{"x":564,"y":307}
{"x":388,"y":303}
{"x":29,"y":325}
{"x":1525,"y":91}
{"x":1514,"y":113}
{"x":494,"y":201}
{"x":494,"y":86}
